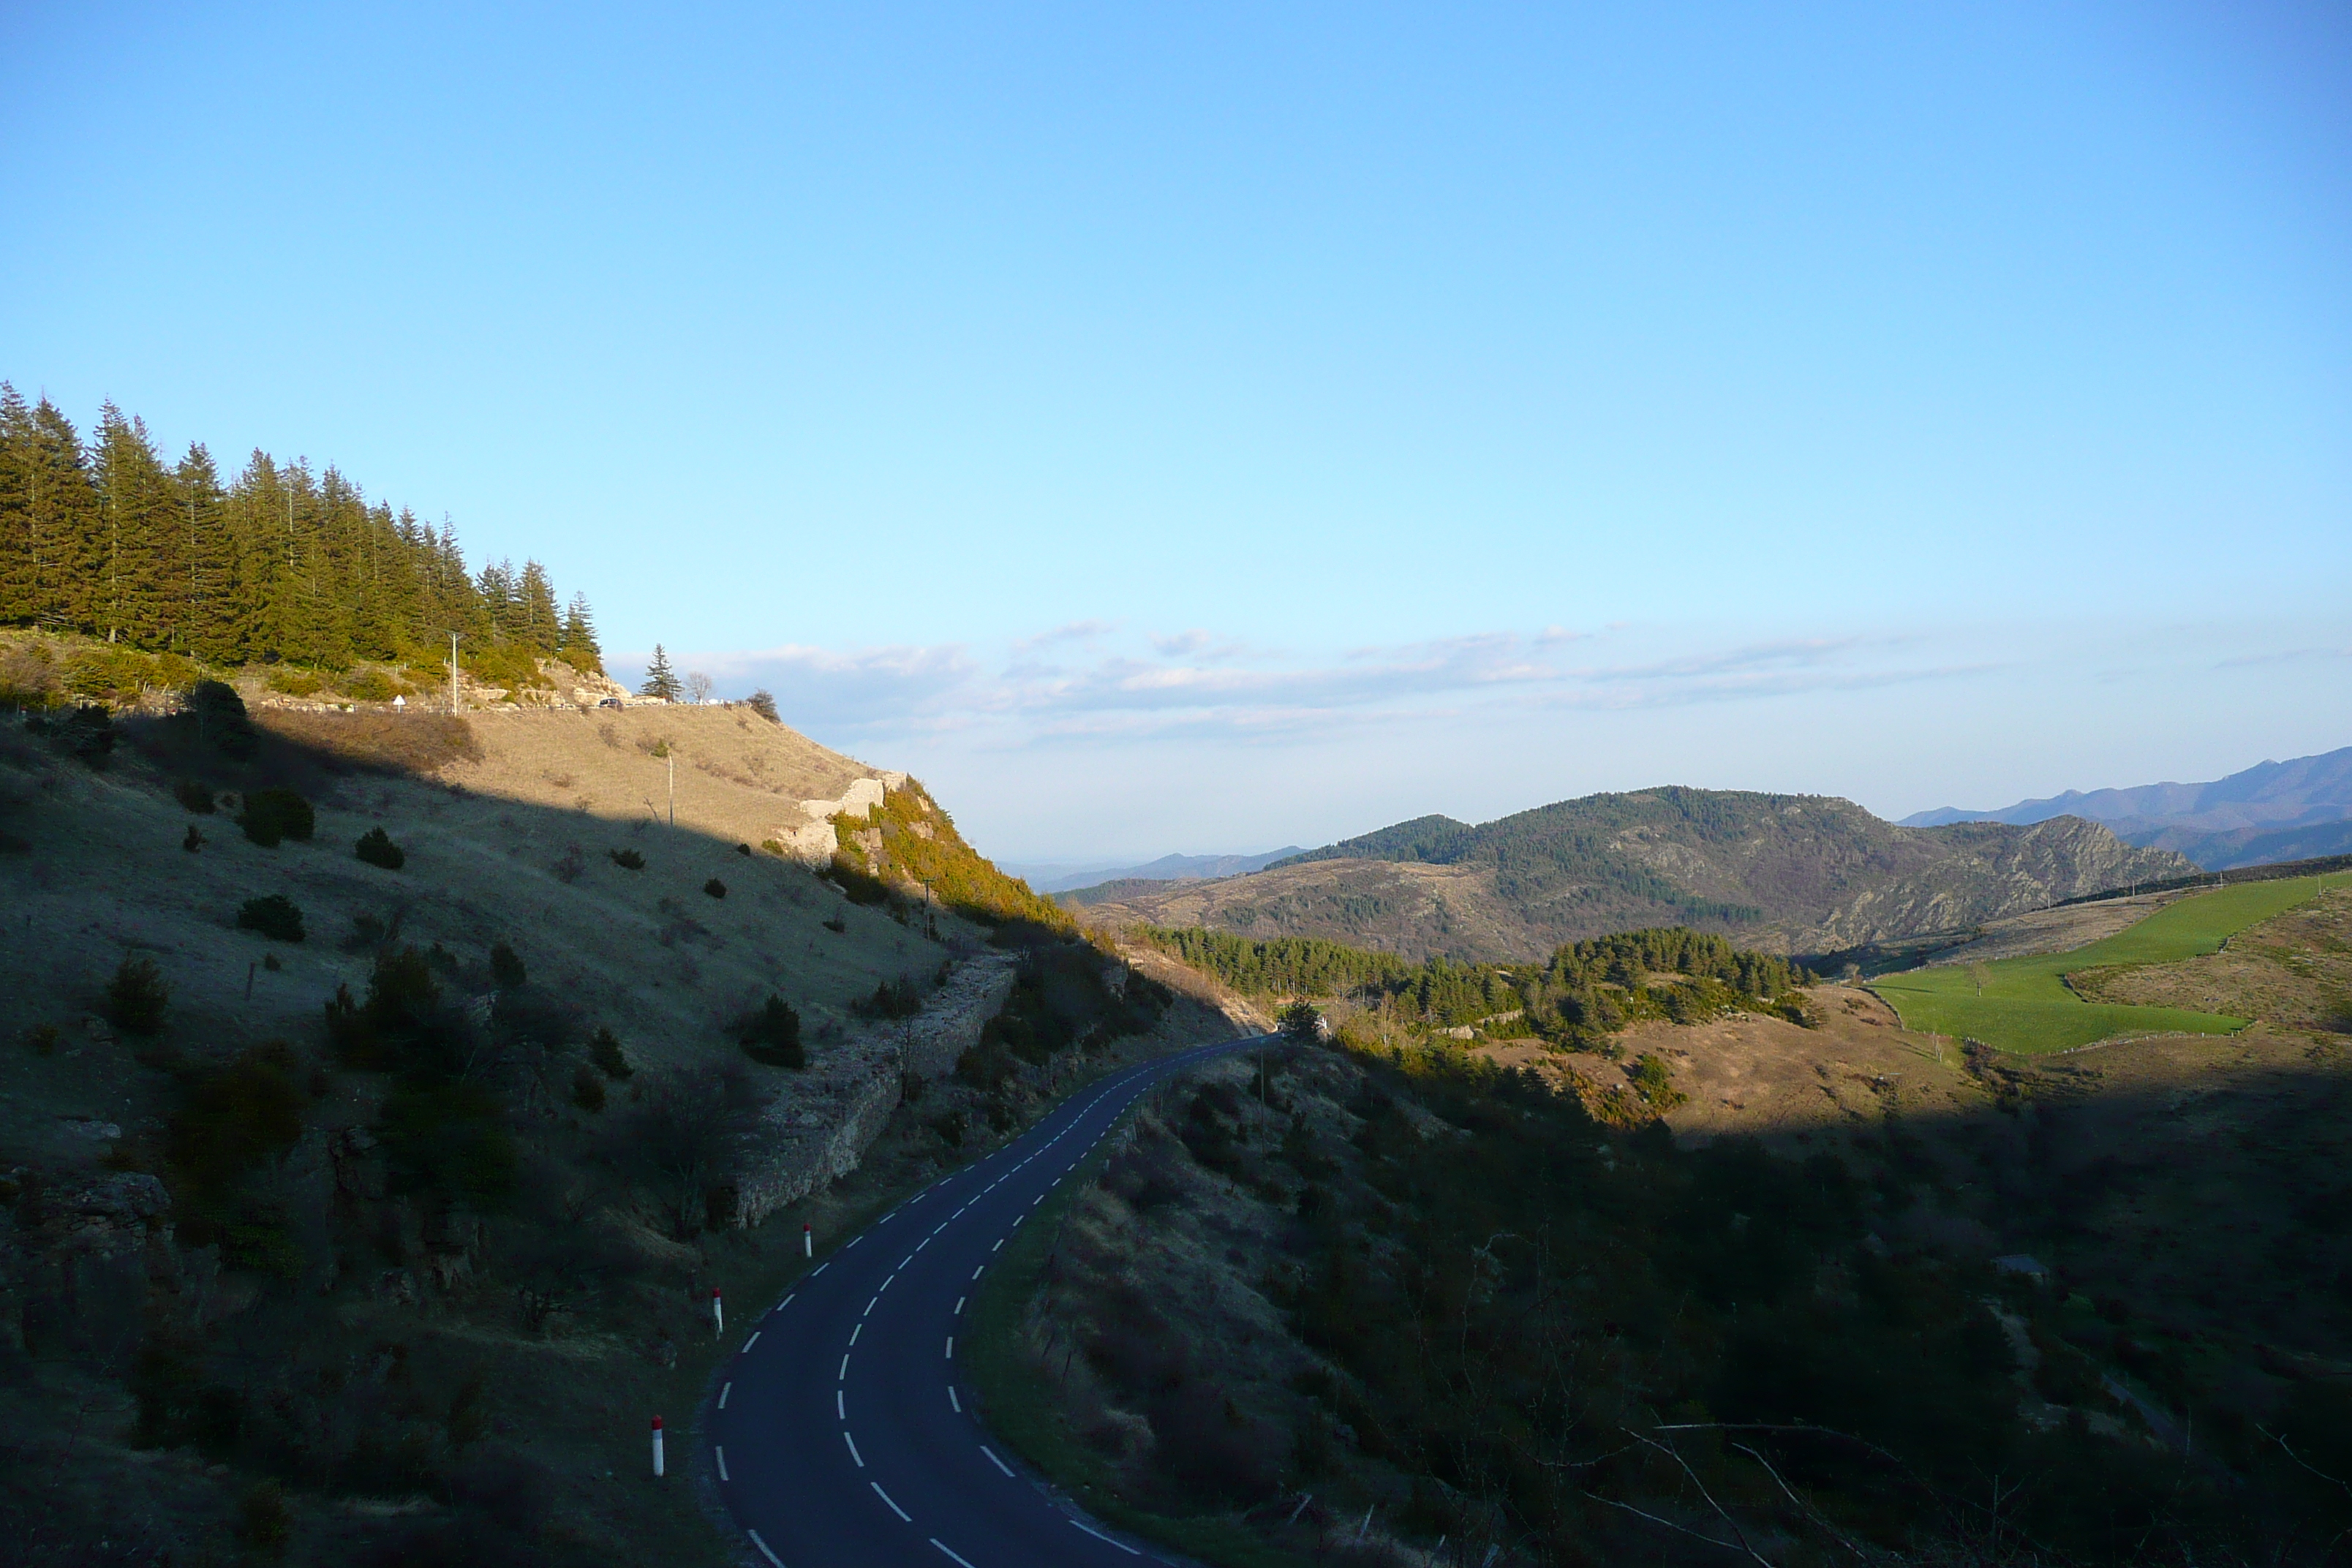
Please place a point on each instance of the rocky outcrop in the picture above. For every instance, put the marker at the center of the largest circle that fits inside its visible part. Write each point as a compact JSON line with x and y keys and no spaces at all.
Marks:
{"x":813,"y":841}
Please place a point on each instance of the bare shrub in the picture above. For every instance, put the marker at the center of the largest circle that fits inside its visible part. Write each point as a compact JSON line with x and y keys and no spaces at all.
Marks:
{"x":136,"y":997}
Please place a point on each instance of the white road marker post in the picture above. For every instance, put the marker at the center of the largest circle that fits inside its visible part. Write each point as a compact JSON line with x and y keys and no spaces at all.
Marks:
{"x":657,"y":1449}
{"x":808,"y":1242}
{"x":717,"y":1315}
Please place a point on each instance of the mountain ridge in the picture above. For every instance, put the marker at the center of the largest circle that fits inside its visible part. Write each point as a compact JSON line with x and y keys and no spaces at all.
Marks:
{"x":1783,"y":873}
{"x":2273,"y":811}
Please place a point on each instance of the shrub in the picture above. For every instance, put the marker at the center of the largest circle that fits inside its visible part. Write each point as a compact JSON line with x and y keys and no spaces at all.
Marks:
{"x":274,"y":915}
{"x":376,"y":846}
{"x":628,"y":860}
{"x":196,"y":796}
{"x":220,"y":716}
{"x":774,"y":847}
{"x":294,"y":682}
{"x":232,"y":1120}
{"x":587,"y":1090}
{"x":764,"y":703}
{"x":604,"y":1051}
{"x":369,"y":686}
{"x":715,"y":887}
{"x":86,"y":734}
{"x":404,"y":1025}
{"x":743,"y":849}
{"x":136,"y":997}
{"x":892,"y":999}
{"x":507,"y":972}
{"x":264,"y":1523}
{"x":834,"y":923}
{"x":193,"y":839}
{"x":272,"y":814}
{"x":771,"y":1035}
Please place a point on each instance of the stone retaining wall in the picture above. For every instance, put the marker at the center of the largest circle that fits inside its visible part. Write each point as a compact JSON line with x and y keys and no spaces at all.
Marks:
{"x":819,"y":1133}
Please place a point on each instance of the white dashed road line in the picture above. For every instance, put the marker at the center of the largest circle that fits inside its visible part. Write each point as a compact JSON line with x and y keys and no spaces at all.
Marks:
{"x":903,"y":1515}
{"x":853,"y":1449}
{"x":994,"y":1460}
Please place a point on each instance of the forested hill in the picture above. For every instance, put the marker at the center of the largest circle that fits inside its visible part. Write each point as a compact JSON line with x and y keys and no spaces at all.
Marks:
{"x":104,"y":536}
{"x":1782,"y":873}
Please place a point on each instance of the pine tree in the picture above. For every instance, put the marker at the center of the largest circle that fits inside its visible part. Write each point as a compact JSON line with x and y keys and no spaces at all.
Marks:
{"x":535,"y":607}
{"x":660,"y":681}
{"x":105,"y":538}
{"x":578,"y":646}
{"x":206,"y":585}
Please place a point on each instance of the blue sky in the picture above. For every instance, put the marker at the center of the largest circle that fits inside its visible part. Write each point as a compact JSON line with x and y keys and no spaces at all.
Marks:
{"x":1201,"y":429}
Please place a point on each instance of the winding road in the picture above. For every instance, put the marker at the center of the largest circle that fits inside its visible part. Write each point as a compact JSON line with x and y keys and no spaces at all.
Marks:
{"x":844,"y":1435}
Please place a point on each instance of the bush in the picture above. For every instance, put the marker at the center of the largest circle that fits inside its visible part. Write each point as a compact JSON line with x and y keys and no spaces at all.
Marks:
{"x":193,"y":839}
{"x":196,"y":796}
{"x":628,"y":860}
{"x":507,"y":972}
{"x":771,"y":1035}
{"x":764,"y":703}
{"x":604,"y":1051}
{"x":743,"y":849}
{"x":369,"y":686}
{"x":220,"y":717}
{"x":136,"y":997}
{"x":376,"y":846}
{"x":715,"y":887}
{"x":264,"y":1523}
{"x":587,"y":1090}
{"x":86,"y":734}
{"x":892,"y":999}
{"x":294,"y":682}
{"x":273,"y":814}
{"x":274,"y":915}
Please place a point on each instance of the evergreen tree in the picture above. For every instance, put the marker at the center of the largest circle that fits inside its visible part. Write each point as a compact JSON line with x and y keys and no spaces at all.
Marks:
{"x":107,"y":539}
{"x":578,"y":645}
{"x":660,"y":680}
{"x":535,"y":609}
{"x":206,"y":582}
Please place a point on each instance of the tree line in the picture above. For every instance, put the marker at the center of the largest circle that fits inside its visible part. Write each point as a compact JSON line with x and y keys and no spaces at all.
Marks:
{"x":1586,"y":991}
{"x":104,"y":537}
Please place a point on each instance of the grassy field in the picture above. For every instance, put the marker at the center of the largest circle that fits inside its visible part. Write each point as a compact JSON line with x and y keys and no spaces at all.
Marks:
{"x":2023,"y":1004}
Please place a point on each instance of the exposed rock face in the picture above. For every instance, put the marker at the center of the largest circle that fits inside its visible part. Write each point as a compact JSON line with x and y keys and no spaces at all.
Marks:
{"x":820,"y":1132}
{"x":813,"y":841}
{"x":1786,"y":873}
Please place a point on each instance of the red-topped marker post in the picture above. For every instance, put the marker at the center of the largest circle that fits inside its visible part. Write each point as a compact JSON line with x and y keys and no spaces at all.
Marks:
{"x":717,"y":1314}
{"x":657,"y":1449}
{"x":808,"y":1242}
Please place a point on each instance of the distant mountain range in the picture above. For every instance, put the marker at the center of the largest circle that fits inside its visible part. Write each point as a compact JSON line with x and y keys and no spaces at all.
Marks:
{"x":1786,"y":873}
{"x":1062,"y":878}
{"x":2274,"y":811}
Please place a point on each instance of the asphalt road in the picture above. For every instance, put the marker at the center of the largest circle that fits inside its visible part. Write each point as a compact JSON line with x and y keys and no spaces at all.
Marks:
{"x":844,"y":1435}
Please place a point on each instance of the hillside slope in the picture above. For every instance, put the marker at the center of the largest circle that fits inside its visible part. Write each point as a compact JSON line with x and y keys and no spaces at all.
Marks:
{"x":380,"y":1242}
{"x":1784,"y":873}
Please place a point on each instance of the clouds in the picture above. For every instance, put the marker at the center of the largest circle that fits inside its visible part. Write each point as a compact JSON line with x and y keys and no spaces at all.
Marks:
{"x":1089,"y":681}
{"x":1094,"y":738}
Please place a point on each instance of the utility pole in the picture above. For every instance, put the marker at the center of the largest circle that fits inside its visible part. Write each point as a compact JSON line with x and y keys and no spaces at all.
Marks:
{"x":672,"y":761}
{"x":453,"y":672}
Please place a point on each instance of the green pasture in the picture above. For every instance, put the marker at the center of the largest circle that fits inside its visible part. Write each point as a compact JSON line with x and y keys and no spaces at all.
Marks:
{"x":2026,"y":1006}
